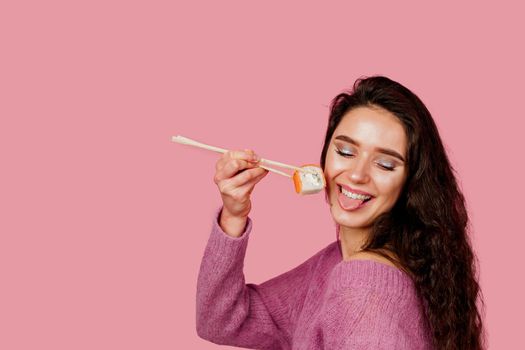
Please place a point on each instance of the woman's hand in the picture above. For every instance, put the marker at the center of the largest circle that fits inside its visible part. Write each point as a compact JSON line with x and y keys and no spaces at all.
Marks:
{"x":236,"y":175}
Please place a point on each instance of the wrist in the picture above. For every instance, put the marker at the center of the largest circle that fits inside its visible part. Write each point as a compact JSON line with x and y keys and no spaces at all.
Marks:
{"x":232,"y":225}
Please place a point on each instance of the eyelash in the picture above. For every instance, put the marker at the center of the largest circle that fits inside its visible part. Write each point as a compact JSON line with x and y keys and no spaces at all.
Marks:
{"x":346,"y":155}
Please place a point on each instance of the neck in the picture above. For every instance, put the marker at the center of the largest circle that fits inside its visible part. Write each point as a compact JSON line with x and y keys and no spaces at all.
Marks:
{"x":352,"y":239}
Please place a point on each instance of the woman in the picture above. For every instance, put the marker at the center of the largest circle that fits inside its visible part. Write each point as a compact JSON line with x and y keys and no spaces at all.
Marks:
{"x":401,"y":274}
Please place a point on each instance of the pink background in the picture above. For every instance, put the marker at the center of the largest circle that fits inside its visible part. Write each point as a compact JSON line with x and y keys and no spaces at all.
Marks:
{"x":104,"y":220}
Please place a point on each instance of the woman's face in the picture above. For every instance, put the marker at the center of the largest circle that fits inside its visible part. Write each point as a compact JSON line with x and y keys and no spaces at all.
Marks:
{"x":365,"y":166}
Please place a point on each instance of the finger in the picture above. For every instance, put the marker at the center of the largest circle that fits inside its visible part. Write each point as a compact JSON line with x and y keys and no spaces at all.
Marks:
{"x":252,"y":182}
{"x":240,"y":192}
{"x":225,"y":158}
{"x":231,"y":185}
{"x":248,"y":187}
{"x":246,"y":176}
{"x":232,"y":168}
{"x":246,"y":155}
{"x":253,"y":157}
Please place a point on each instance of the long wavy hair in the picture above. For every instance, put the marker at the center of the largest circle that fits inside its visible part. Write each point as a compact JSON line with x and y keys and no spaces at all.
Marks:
{"x":428,"y":227}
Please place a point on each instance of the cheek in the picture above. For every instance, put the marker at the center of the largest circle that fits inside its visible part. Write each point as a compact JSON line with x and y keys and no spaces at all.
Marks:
{"x":331,"y":170}
{"x":333,"y":165}
{"x":389,"y":185}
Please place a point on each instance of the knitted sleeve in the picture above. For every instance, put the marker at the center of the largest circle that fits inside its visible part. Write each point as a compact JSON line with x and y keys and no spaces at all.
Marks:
{"x":231,"y":312}
{"x":370,"y":305}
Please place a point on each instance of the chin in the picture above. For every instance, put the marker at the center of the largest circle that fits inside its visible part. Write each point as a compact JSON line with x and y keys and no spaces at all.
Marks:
{"x":352,"y":220}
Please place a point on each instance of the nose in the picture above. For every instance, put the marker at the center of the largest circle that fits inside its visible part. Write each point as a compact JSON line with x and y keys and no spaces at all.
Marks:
{"x":359,"y":173}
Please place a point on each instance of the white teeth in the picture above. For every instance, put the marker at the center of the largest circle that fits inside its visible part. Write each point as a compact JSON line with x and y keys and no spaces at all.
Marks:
{"x":354,"y":195}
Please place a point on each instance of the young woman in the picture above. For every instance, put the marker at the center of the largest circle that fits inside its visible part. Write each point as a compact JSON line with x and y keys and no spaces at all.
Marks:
{"x":401,"y":274}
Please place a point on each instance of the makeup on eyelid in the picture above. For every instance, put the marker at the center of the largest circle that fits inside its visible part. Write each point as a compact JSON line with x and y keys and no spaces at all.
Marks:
{"x":386,"y":164}
{"x":387,"y":151}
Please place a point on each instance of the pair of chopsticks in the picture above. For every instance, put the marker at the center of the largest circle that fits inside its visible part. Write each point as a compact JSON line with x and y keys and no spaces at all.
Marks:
{"x":186,"y":141}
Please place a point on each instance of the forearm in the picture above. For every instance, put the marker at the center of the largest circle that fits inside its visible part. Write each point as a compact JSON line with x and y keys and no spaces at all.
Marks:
{"x":229,"y":311}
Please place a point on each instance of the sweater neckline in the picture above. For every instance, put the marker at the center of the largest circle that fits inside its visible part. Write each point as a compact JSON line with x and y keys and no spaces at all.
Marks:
{"x":368,"y":261}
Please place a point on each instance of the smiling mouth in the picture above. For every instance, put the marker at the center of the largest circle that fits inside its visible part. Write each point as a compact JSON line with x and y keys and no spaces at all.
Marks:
{"x":350,"y":201}
{"x":357,"y":196}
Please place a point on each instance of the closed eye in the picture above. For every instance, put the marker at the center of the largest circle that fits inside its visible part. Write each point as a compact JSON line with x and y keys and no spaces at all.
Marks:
{"x":344,"y":154}
{"x":386,"y":166}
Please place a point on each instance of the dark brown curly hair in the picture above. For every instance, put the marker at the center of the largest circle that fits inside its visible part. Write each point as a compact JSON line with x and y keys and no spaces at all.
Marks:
{"x":427,"y":229}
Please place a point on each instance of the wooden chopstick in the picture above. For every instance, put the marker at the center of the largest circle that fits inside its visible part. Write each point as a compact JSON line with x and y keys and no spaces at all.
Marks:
{"x":186,"y":141}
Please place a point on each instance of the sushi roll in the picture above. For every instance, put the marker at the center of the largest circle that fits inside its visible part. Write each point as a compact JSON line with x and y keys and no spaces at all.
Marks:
{"x":309,"y":182}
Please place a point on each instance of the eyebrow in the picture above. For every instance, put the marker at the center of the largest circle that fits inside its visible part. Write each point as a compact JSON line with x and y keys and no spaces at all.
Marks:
{"x":381,"y":150}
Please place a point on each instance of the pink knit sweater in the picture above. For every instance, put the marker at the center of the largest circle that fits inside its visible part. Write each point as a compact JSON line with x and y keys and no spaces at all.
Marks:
{"x":324,"y":303}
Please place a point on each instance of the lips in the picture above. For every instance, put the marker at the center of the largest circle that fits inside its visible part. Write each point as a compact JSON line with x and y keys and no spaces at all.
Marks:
{"x":354,"y":190}
{"x":350,"y":203}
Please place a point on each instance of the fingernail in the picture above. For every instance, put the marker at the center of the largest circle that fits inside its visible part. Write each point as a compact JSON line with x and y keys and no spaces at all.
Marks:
{"x":255,"y":157}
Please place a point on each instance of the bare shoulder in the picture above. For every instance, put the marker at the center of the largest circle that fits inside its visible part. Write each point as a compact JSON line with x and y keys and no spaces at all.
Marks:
{"x":371,"y":256}
{"x":394,"y":262}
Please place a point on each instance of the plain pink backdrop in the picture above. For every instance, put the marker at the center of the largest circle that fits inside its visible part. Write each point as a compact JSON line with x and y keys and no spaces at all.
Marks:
{"x":104,"y":220}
